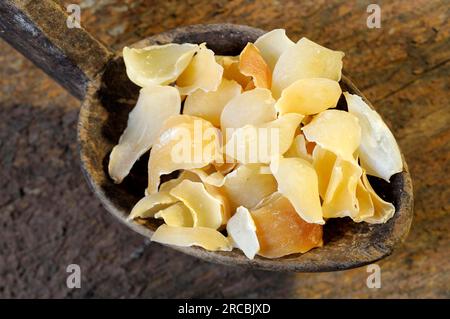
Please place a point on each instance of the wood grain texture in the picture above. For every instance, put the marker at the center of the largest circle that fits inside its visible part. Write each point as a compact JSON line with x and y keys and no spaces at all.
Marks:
{"x":50,"y":219}
{"x":38,"y":29}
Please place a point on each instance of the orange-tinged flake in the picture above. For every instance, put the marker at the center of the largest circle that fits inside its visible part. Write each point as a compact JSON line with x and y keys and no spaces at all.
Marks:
{"x":231,"y":70}
{"x":250,"y":86}
{"x":281,"y":231}
{"x":310,"y":147}
{"x":251,"y":63}
{"x":225,"y":167}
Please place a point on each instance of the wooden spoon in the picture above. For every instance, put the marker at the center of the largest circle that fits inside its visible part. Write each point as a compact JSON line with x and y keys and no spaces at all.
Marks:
{"x":97,"y":76}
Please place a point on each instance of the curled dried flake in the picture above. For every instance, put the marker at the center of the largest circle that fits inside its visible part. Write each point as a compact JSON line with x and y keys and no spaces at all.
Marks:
{"x":151,"y":204}
{"x":252,"y":64}
{"x":248,"y":185}
{"x":206,"y":210}
{"x":340,"y":199}
{"x":305,"y":59}
{"x":259,"y":144}
{"x":336,"y":131}
{"x":297,"y":181}
{"x":299,"y":149}
{"x":177,"y":215}
{"x":252,"y":107}
{"x":213,"y":181}
{"x":185,"y":142}
{"x":226,"y":60}
{"x":309,"y":96}
{"x":219,"y":195}
{"x":242,"y":230}
{"x":154,"y":105}
{"x":323,"y":162}
{"x":202,"y":73}
{"x":310,"y":146}
{"x":158,"y":64}
{"x":225,"y":167}
{"x":307,"y":119}
{"x":221,"y":58}
{"x":168,"y":185}
{"x":366,"y":208}
{"x":207,"y":238}
{"x":231,"y":70}
{"x":209,"y":105}
{"x":268,"y":199}
{"x":383,"y":211}
{"x":250,"y":86}
{"x":209,"y":176}
{"x":378,"y":151}
{"x":272,"y":45}
{"x":281,"y":231}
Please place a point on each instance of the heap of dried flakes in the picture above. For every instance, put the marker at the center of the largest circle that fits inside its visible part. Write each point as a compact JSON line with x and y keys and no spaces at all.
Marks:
{"x":312,"y":168}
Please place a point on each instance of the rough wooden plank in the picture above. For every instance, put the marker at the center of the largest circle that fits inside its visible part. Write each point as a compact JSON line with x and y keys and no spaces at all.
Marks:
{"x":38,"y":29}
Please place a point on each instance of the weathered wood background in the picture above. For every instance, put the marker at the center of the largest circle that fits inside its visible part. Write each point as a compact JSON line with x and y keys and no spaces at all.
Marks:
{"x":50,"y":219}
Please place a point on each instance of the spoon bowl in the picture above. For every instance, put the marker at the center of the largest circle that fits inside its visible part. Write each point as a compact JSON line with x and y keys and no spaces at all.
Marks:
{"x":110,"y":96}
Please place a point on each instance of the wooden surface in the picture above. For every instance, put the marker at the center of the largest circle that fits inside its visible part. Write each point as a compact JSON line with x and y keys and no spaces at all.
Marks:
{"x":38,"y":29}
{"x":50,"y":218}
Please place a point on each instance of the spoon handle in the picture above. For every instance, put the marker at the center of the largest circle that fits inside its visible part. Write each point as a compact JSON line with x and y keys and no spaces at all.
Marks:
{"x":45,"y":33}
